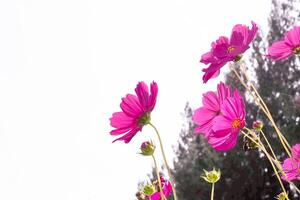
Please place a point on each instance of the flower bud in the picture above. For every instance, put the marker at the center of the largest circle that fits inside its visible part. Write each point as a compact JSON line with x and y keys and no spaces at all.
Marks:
{"x":149,"y":189}
{"x":147,"y":148}
{"x":257,"y":125}
{"x":211,"y":176}
{"x":282,"y":196}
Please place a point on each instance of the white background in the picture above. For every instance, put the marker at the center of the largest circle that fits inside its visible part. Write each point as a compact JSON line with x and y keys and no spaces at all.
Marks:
{"x":64,"y":66}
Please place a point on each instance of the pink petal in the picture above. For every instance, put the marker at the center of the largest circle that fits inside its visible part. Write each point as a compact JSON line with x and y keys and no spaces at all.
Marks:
{"x":292,"y":37}
{"x":213,"y":70}
{"x":120,"y":131}
{"x":237,"y":37}
{"x":207,"y":58}
{"x":221,"y":50}
{"x":128,"y":136}
{"x":221,"y":126}
{"x":153,"y":96}
{"x":223,"y":143}
{"x":143,"y":95}
{"x":211,"y":101}
{"x":203,"y":117}
{"x":239,"y":104}
{"x":279,"y":50}
{"x":131,"y":106}
{"x":223,"y":92}
{"x":291,"y":168}
{"x":229,"y":108}
{"x":296,"y":151}
{"x":120,"y":120}
{"x":252,"y":33}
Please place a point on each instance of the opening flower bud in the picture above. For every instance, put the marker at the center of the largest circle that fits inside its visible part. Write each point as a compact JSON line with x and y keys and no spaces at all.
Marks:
{"x":282,"y":196}
{"x":211,"y":176}
{"x":258,"y":125}
{"x":149,"y":189}
{"x":147,"y":148}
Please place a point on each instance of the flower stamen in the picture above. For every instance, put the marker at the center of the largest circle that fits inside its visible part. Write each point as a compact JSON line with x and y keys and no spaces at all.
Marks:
{"x":296,"y":50}
{"x":236,"y":123}
{"x":230,"y":49}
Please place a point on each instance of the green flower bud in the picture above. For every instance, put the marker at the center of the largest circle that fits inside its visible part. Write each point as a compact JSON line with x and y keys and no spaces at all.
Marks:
{"x":257,"y":125}
{"x":211,"y":176}
{"x":149,"y":189}
{"x":147,"y":148}
{"x":282,"y":196}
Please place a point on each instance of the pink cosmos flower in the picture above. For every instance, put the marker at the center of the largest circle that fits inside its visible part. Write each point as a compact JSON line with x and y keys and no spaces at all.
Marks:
{"x":166,"y":187}
{"x":204,"y":116}
{"x":287,"y":47}
{"x":227,"y":125}
{"x":291,"y":168}
{"x":224,"y":50}
{"x":135,"y":112}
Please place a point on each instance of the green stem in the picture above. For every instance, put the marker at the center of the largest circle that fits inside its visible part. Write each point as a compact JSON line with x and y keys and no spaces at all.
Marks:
{"x":158,"y":179}
{"x":165,"y":161}
{"x":212,"y":191}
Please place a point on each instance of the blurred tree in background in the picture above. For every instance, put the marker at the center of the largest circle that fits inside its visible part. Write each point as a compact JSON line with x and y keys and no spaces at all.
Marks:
{"x":247,"y":175}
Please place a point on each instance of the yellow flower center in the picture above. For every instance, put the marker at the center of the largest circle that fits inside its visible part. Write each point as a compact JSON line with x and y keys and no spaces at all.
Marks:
{"x":236,"y":123}
{"x":296,"y":50}
{"x":230,"y":49}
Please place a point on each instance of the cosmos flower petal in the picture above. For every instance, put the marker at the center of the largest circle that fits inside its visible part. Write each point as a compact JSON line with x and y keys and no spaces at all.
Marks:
{"x":142,"y":92}
{"x":153,"y":96}
{"x":207,"y":58}
{"x":212,"y":71}
{"x":223,"y":92}
{"x":252,"y":33}
{"x":119,"y":131}
{"x":237,"y":38}
{"x":224,"y":143}
{"x":210,"y":100}
{"x":131,"y":105}
{"x":292,"y":37}
{"x":203,"y":117}
{"x":121,"y":120}
{"x":129,"y":135}
{"x":291,"y":169}
{"x":279,"y":50}
{"x":221,"y":126}
{"x":296,"y":151}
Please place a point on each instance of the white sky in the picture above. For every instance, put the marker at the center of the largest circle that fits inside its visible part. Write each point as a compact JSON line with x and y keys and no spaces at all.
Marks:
{"x":64,"y":66}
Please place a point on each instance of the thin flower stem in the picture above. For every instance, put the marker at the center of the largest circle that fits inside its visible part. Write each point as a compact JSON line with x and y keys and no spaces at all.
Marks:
{"x":295,"y":187}
{"x":277,"y":162}
{"x":263,"y":107}
{"x":165,"y":161}
{"x":158,"y":178}
{"x":247,"y":88}
{"x":212,"y":191}
{"x":261,"y":146}
{"x":269,"y":145}
{"x":280,"y":135}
